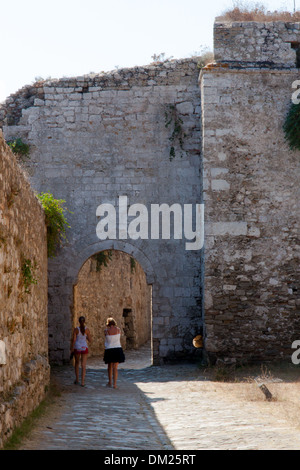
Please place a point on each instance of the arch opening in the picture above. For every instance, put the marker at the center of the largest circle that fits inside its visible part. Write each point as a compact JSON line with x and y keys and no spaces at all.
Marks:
{"x":112,"y":283}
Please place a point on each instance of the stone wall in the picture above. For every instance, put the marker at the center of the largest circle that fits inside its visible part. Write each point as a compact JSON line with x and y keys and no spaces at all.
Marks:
{"x":251,"y":181}
{"x":24,"y":368}
{"x":98,"y":137}
{"x":257,"y":43}
{"x":119,"y":290}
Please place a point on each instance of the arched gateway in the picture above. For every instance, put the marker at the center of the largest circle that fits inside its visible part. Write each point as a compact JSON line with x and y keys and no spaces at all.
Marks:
{"x":128,"y":142}
{"x":116,"y":283}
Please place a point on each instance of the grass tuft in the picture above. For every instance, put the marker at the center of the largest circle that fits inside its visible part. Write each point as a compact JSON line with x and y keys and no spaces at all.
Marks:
{"x":244,"y":11}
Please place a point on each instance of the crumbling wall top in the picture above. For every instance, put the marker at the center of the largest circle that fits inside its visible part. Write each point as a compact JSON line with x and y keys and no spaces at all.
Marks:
{"x":156,"y":74}
{"x":264,"y":44}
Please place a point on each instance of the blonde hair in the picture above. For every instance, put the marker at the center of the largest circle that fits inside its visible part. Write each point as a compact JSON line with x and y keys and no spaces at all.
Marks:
{"x":111,"y":322}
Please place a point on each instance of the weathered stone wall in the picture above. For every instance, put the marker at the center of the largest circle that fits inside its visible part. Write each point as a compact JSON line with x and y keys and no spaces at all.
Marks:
{"x":257,"y":43}
{"x":119,"y":290}
{"x":24,"y":375}
{"x":251,"y":181}
{"x":96,"y":138}
{"x":99,"y":137}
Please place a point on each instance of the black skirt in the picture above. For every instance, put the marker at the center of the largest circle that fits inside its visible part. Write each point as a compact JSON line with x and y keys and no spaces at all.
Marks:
{"x":114,"y":355}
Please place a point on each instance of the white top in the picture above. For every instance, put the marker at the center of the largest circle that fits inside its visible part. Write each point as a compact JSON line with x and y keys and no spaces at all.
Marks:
{"x":80,"y":343}
{"x":112,"y":341}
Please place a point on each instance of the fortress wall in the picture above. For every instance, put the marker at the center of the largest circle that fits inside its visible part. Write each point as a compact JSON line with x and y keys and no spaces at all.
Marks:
{"x":269,"y":44}
{"x":99,"y":137}
{"x":251,"y":209}
{"x":24,"y":368}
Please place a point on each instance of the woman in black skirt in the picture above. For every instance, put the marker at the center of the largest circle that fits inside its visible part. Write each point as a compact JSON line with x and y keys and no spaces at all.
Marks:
{"x":113,"y":353}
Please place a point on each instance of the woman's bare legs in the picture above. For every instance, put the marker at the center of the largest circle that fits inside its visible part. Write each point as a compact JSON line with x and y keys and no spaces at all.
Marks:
{"x":83,"y":367}
{"x":83,"y":358}
{"x":112,"y":370}
{"x":115,"y":373}
{"x":109,"y":372}
{"x":77,"y":360}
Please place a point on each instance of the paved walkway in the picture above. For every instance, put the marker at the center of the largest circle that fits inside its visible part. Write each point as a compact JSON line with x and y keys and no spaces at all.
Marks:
{"x":154,"y":408}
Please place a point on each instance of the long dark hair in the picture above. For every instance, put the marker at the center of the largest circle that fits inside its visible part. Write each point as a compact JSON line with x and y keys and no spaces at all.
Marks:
{"x":82,"y":327}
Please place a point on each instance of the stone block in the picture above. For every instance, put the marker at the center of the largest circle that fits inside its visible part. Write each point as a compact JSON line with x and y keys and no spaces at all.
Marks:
{"x":220,"y":185}
{"x":2,"y":353}
{"x":185,"y":108}
{"x":226,"y":228}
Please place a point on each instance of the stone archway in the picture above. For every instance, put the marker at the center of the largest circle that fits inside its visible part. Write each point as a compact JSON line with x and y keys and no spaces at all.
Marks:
{"x":113,"y":283}
{"x":66,"y":290}
{"x":119,"y":245}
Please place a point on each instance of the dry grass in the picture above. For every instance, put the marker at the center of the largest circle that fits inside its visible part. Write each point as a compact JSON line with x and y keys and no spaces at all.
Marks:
{"x":239,"y":384}
{"x":257,"y":12}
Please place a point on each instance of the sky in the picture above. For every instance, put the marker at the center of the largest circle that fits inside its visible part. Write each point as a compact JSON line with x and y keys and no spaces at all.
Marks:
{"x":67,"y":38}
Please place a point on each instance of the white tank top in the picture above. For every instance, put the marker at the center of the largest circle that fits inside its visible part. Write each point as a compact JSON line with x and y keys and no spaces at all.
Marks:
{"x":112,"y":341}
{"x":80,"y":343}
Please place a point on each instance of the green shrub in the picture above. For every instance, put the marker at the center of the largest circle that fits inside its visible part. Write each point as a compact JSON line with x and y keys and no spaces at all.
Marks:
{"x":102,"y":258}
{"x":292,"y":127}
{"x":19,"y":148}
{"x":27,"y":274}
{"x":55,"y":220}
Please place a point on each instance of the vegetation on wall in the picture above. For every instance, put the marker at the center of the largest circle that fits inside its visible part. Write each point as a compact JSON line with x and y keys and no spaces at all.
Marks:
{"x":19,"y":148}
{"x":173,"y":121}
{"x":28,"y":278}
{"x":246,"y":11}
{"x":55,"y":221}
{"x":205,"y":56}
{"x":161,"y":57}
{"x":132,"y":265}
{"x":102,"y":259}
{"x":292,"y":127}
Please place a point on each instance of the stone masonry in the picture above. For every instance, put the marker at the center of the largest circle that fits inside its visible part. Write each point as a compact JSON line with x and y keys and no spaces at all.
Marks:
{"x":95,"y":138}
{"x":120,"y":290}
{"x":251,"y":193}
{"x":24,"y":368}
{"x":98,"y":137}
{"x":253,"y":44}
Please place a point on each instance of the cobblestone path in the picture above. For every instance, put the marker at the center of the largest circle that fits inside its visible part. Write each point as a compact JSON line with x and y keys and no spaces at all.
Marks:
{"x":154,"y":408}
